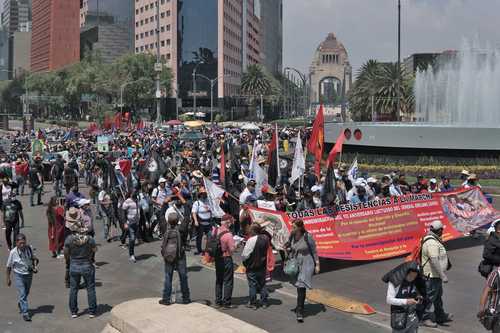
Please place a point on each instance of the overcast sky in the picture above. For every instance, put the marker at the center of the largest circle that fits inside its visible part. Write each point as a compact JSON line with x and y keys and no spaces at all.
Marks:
{"x":368,"y":28}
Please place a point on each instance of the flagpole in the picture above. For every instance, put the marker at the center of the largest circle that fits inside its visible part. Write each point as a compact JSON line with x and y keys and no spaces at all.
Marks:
{"x":278,"y":155}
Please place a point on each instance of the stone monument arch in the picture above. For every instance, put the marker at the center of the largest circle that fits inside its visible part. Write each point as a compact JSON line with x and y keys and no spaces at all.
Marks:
{"x":330,"y":74}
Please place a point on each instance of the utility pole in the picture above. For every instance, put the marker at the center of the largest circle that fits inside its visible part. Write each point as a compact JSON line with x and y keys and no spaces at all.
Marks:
{"x":158,"y":65}
{"x":398,"y":85}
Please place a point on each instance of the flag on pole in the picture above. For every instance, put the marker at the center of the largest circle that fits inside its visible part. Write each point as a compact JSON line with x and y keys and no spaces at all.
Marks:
{"x":273,"y":159}
{"x":222,"y":169}
{"x":299,"y":163}
{"x":352,"y":174}
{"x":253,"y":160}
{"x":335,"y":150}
{"x":330,"y":179}
{"x":317,"y":140}
{"x":214,"y":194}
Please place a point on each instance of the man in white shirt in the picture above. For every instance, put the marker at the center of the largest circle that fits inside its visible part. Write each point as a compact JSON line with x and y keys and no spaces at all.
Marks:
{"x":248,"y":191}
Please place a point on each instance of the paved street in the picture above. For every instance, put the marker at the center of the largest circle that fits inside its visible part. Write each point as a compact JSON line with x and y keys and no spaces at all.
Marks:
{"x":118,"y":281}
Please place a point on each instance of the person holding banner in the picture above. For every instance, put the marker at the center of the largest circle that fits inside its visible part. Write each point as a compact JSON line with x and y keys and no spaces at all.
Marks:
{"x":302,"y":247}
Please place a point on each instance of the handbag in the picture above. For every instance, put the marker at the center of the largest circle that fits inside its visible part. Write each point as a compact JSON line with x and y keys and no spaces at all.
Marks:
{"x":291,"y":267}
{"x":484,"y":268}
{"x":399,"y":320}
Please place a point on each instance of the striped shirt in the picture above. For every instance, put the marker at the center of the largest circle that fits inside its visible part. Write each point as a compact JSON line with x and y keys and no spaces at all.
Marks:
{"x":494,"y":285}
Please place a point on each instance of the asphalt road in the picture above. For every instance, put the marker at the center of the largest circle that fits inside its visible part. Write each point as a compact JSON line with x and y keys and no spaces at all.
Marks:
{"x":119,"y":281}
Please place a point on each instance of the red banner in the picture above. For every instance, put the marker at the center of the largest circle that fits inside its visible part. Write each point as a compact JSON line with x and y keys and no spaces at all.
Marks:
{"x":390,"y":227}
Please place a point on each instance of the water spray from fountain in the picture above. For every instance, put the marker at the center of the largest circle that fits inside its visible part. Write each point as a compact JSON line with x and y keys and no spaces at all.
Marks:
{"x":462,"y":88}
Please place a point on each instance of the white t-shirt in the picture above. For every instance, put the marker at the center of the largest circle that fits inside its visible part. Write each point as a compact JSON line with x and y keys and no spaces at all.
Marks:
{"x":202,"y":210}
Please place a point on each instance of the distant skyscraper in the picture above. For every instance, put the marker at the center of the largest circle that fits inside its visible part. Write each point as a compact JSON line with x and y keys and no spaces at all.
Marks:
{"x":56,"y":34}
{"x":107,"y":26}
{"x":16,"y":13}
{"x":217,"y":38}
{"x":272,"y":35}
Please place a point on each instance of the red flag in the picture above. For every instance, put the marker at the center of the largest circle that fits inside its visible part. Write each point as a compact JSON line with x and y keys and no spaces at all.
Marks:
{"x":125,"y":166}
{"x":272,"y":159}
{"x":317,"y":140}
{"x":140,"y":124}
{"x":335,"y":150}
{"x":222,"y":170}
{"x":118,"y":121}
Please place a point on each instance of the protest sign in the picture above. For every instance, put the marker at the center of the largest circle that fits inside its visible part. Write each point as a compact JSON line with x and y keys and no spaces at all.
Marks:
{"x":390,"y":227}
{"x":103,"y":143}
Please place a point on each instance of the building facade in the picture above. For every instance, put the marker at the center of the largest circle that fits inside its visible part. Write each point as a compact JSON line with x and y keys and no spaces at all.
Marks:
{"x":107,"y":27}
{"x":271,"y":15}
{"x":21,"y":51}
{"x":16,"y":14}
{"x":216,"y":38}
{"x":330,"y":74}
{"x":55,"y":40}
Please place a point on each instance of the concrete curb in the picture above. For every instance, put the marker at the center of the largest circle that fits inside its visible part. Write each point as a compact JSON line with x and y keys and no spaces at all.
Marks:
{"x":147,"y":316}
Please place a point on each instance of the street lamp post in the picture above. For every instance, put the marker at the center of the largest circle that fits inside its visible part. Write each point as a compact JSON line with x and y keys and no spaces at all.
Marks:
{"x":304,"y":83}
{"x":158,"y":65}
{"x":194,"y":84}
{"x":212,"y":85}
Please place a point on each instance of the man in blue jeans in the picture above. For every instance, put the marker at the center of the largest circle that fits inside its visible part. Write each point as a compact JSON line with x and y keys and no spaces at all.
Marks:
{"x":255,"y":260}
{"x":23,"y":262}
{"x":79,"y":249}
{"x":174,"y":255}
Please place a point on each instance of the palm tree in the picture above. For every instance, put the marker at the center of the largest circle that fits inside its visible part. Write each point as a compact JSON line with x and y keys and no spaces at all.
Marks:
{"x":376,"y":88}
{"x":255,"y":81}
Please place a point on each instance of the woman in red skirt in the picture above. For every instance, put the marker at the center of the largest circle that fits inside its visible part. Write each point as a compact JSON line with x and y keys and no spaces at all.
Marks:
{"x":55,"y":218}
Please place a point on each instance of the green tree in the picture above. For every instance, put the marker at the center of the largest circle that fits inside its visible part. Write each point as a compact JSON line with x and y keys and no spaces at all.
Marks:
{"x":138,"y":71}
{"x":257,"y":81}
{"x":375,"y":89}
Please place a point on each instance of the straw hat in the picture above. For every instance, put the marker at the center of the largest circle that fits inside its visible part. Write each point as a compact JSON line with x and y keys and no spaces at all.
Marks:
{"x":198,"y":174}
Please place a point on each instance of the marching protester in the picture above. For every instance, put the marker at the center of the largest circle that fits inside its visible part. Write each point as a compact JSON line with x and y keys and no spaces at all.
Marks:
{"x":435,"y":263}
{"x":36,"y":184}
{"x":13,"y":218}
{"x":79,"y":250}
{"x":405,"y":287}
{"x":55,"y":219}
{"x":254,"y":257}
{"x":131,"y":209}
{"x":202,"y":218}
{"x":302,"y":248}
{"x":224,"y":266}
{"x":489,"y":301}
{"x":23,"y":262}
{"x":174,"y":255}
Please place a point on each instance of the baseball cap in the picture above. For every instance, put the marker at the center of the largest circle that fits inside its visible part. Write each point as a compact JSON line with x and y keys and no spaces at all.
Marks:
{"x":437,"y":225}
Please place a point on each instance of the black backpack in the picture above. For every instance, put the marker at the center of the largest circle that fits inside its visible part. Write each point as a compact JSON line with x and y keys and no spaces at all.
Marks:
{"x":10,"y":212}
{"x":214,"y":247}
{"x":171,"y":245}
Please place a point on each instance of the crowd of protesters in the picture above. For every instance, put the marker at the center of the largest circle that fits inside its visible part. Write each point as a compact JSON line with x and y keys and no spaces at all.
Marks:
{"x":149,"y":184}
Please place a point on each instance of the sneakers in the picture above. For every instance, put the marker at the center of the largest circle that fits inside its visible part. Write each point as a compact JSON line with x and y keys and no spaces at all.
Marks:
{"x":186,"y":301}
{"x":265,"y":305}
{"x":60,"y":256}
{"x":164,"y":302}
{"x":74,"y":315}
{"x":26,"y":317}
{"x":92,"y":315}
{"x":447,"y":319}
{"x":429,"y":323}
{"x":132,"y":259}
{"x":252,"y":306}
{"x":228,"y":307}
{"x":300,"y":317}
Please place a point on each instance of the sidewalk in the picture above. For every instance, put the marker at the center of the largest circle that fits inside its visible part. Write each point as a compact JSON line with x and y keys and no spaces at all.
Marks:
{"x":156,"y":318}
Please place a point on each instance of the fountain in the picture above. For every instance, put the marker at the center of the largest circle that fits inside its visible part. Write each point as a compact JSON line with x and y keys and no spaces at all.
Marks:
{"x":457,"y":110}
{"x":462,"y":89}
